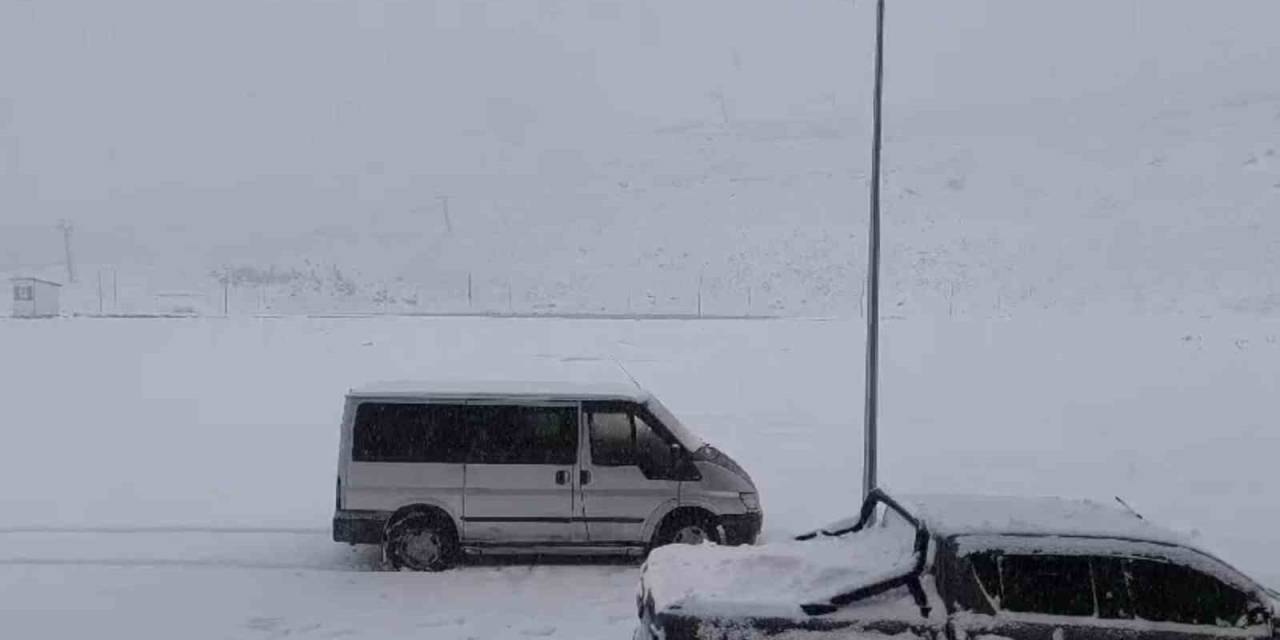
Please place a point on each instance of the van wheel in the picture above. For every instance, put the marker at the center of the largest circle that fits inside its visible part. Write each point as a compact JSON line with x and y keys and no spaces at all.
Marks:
{"x":688,"y":528}
{"x":421,"y":542}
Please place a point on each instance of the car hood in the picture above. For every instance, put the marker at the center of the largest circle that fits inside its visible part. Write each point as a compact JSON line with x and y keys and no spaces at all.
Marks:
{"x":773,"y":579}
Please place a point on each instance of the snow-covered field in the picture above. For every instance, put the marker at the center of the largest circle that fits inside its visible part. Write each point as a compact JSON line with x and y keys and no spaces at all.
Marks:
{"x":174,"y":478}
{"x":642,"y":157}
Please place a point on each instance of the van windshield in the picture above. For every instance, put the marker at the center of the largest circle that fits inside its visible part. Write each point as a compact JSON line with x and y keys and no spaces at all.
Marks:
{"x":687,"y":439}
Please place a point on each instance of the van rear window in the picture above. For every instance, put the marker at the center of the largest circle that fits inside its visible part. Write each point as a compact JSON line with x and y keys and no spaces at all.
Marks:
{"x":476,"y":434}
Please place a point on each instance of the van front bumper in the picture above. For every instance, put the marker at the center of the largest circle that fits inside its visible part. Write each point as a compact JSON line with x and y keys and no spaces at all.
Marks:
{"x":359,"y":527}
{"x":742,"y":529}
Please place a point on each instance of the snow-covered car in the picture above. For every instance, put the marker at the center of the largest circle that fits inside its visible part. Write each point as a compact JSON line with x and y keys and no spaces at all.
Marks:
{"x":428,"y":470}
{"x":957,"y":567}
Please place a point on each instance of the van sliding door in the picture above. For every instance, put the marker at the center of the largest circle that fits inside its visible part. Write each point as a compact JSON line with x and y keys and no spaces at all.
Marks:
{"x":520,"y":475}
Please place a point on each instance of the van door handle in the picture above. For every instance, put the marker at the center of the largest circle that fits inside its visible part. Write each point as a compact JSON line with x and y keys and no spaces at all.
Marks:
{"x":584,"y":477}
{"x":562,"y":477}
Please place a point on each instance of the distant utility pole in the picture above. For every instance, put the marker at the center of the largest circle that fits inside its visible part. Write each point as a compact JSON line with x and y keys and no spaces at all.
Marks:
{"x":66,"y":229}
{"x":718,"y":96}
{"x":444,"y":208}
{"x":699,"y":295}
{"x":869,"y":478}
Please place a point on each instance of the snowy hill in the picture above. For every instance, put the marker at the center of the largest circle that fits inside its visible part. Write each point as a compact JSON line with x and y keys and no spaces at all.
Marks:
{"x":615,"y":157}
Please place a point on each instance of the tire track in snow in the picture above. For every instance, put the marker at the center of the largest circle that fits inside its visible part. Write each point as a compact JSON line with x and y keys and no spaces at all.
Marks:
{"x":279,"y":548}
{"x":169,"y":562}
{"x":166,"y":529}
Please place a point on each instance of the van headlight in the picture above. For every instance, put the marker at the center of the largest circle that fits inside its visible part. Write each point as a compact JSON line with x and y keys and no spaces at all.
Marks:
{"x":750,"y":500}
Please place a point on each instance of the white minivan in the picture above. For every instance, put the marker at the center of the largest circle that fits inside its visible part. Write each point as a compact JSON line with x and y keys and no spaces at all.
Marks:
{"x":428,"y":470}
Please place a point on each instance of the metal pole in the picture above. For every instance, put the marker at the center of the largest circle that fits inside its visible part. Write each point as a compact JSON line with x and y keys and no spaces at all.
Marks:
{"x":66,"y":228}
{"x":869,"y":478}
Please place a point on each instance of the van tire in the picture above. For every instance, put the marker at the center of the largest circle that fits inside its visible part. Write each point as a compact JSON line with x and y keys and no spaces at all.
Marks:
{"x":421,"y":541}
{"x":687,"y":526}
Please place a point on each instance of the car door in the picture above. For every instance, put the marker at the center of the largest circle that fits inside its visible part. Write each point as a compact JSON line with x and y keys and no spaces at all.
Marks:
{"x":520,"y":475}
{"x":628,"y":471}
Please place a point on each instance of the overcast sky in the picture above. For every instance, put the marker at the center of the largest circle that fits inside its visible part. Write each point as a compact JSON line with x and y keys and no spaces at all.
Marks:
{"x":277,"y":112}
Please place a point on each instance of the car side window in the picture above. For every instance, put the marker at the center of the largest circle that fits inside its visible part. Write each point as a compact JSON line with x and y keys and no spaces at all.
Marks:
{"x":1119,"y":589}
{"x":986,"y":567}
{"x":1055,"y":585}
{"x":1164,"y":592}
{"x":1047,"y":584}
{"x":1111,"y":588}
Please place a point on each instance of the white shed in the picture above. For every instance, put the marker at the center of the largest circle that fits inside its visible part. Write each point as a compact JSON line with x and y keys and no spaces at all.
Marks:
{"x":35,"y":298}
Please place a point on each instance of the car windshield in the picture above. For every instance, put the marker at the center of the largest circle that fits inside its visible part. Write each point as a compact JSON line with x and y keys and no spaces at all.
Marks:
{"x":682,"y":434}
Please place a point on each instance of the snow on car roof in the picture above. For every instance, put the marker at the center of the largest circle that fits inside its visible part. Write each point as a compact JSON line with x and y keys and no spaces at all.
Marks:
{"x":501,"y":389}
{"x":1014,"y":515}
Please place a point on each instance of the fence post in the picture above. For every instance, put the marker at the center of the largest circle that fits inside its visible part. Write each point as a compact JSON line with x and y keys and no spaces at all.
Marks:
{"x":444,"y":205}
{"x":699,"y":295}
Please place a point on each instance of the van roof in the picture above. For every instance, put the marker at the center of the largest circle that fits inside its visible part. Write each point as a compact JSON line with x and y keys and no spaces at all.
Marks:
{"x":501,"y":389}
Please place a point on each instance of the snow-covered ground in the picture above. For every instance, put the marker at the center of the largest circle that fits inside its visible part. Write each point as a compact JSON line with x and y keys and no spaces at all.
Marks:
{"x":174,"y":478}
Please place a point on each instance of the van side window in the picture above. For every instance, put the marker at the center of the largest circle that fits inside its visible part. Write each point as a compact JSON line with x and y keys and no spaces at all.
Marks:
{"x":401,"y":432}
{"x":503,"y":434}
{"x":612,"y":438}
{"x":1164,"y":592}
{"x":653,"y":454}
{"x":621,"y":436}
